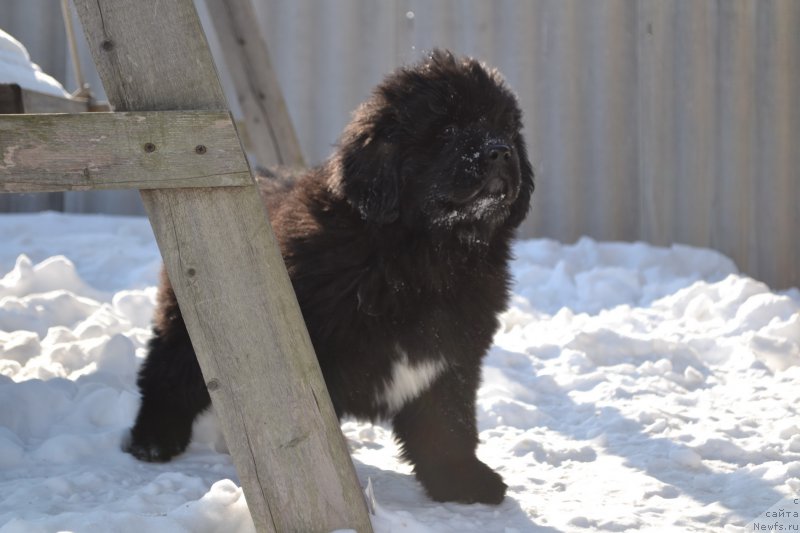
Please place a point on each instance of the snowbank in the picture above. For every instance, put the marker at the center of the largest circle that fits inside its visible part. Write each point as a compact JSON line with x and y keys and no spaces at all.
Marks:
{"x":630,"y":388}
{"x":16,"y":67}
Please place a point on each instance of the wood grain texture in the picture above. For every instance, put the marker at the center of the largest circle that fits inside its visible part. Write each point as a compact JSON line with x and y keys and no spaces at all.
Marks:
{"x":232,"y":286}
{"x":269,"y":127}
{"x":86,"y":151}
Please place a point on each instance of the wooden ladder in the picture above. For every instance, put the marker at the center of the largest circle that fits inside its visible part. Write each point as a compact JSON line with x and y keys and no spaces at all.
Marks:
{"x":173,"y":138}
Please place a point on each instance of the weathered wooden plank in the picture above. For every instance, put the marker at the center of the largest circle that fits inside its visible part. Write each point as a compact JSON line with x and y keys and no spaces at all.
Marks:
{"x":165,"y":149}
{"x":232,"y":287}
{"x":247,"y":59}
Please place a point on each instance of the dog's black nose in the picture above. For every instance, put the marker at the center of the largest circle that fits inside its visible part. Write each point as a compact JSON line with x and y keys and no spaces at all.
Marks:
{"x":498,"y":152}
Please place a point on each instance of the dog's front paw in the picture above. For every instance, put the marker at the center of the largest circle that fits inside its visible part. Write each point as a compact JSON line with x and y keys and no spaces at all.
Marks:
{"x":155,"y":445}
{"x":150,"y":452}
{"x":469,"y":481}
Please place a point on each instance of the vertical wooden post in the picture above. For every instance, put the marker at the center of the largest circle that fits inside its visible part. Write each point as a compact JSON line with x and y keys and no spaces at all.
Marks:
{"x":247,"y":59}
{"x":232,"y":286}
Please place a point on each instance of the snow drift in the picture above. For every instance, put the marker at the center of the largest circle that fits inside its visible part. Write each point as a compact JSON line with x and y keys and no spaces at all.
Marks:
{"x":630,"y":388}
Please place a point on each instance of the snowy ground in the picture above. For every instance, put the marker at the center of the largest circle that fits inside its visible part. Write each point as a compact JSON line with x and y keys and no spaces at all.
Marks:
{"x":631,"y":388}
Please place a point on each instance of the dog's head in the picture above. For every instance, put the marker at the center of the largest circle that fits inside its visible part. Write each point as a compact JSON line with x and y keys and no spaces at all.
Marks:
{"x":438,"y":146}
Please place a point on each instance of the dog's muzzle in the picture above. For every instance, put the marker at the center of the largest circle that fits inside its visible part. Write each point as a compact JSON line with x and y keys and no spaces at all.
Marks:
{"x":502,"y":170}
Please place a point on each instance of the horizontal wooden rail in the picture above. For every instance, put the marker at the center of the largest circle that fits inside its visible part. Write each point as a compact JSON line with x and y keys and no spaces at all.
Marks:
{"x":136,"y":150}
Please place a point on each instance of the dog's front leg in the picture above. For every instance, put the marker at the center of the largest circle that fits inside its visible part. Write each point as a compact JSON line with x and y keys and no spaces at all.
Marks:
{"x":172,"y":388}
{"x":439,"y":436}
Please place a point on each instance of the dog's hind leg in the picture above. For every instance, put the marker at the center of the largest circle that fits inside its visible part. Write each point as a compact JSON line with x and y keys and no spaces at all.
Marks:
{"x":172,"y":388}
{"x":438,"y":435}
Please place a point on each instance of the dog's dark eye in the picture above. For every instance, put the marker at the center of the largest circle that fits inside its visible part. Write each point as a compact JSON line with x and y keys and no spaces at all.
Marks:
{"x":437,"y":107}
{"x":511,"y":132}
{"x":513,"y":127}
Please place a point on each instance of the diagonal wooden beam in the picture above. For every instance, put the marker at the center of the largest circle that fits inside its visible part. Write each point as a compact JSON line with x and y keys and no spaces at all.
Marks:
{"x":145,"y":150}
{"x":247,"y":59}
{"x":232,"y":286}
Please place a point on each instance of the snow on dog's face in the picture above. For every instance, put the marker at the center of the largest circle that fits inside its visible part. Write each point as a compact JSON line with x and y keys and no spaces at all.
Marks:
{"x":438,"y":147}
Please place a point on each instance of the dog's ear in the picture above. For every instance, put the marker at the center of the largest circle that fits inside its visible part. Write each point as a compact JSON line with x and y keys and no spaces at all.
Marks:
{"x":370,"y":178}
{"x":520,"y":208}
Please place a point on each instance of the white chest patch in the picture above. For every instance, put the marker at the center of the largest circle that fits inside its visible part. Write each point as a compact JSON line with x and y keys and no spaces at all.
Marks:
{"x":408,"y":380}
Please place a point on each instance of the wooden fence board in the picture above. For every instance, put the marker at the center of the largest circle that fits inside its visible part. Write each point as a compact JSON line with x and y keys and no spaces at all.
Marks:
{"x":62,"y":152}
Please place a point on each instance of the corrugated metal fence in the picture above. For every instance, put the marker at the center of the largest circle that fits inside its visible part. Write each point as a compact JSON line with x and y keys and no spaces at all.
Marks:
{"x":657,"y":120}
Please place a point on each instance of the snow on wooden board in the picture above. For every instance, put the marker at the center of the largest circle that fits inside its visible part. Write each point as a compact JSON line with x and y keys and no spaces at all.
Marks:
{"x":16,"y":67}
{"x":630,"y":387}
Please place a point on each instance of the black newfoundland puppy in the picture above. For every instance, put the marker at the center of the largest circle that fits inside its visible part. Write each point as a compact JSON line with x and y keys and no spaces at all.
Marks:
{"x":398,"y":250}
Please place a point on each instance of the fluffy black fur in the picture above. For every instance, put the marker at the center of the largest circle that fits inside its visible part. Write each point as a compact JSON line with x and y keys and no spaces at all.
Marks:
{"x":398,"y":250}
